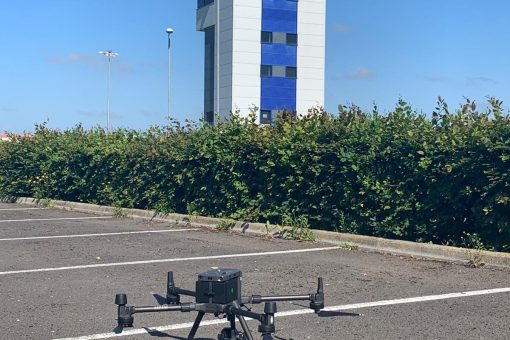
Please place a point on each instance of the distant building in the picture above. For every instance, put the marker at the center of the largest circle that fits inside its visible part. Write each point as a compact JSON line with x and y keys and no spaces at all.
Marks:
{"x":267,"y":54}
{"x":4,"y":137}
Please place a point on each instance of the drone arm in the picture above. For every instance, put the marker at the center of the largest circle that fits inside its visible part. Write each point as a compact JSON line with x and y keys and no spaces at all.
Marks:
{"x":125,"y":313}
{"x":266,"y":320}
{"x":186,"y":292}
{"x":185,"y":307}
{"x":247,"y":314}
{"x":316,"y":299}
{"x":277,"y":298}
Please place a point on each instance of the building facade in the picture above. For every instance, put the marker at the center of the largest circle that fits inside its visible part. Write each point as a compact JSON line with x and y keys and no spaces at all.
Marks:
{"x":262,"y":54}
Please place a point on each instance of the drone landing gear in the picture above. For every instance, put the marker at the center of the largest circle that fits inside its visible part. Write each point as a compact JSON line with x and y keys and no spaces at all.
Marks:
{"x":231,"y":333}
{"x":233,"y":311}
{"x":227,"y":333}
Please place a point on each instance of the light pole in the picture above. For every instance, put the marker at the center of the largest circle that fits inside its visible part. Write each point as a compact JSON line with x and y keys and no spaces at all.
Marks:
{"x":169,"y":32}
{"x":109,"y":55}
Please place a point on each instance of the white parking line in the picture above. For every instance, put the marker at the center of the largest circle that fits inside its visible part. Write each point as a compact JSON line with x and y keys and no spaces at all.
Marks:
{"x":299,"y":312}
{"x":56,"y":219}
{"x":283,"y":252}
{"x":94,"y":235}
{"x":20,"y":209}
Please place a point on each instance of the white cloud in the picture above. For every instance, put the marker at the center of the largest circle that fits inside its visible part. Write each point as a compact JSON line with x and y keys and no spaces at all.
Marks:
{"x":8,"y":109}
{"x":476,"y":81}
{"x":88,"y":60}
{"x":341,"y":28}
{"x":436,"y":79}
{"x":361,"y":74}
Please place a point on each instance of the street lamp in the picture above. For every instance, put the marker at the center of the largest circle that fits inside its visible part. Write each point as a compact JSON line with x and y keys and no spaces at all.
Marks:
{"x":109,"y":55}
{"x":169,"y":32}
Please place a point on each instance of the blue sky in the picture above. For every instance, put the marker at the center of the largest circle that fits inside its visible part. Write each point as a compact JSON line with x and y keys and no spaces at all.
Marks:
{"x":377,"y":51}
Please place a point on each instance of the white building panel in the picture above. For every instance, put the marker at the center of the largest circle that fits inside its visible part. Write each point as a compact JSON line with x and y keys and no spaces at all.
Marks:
{"x":312,"y":73}
{"x":312,"y":18}
{"x":247,"y":23}
{"x":314,"y":29}
{"x":311,"y":40}
{"x":310,"y":54}
{"x":246,"y":55}
{"x":312,"y":6}
{"x":246,"y":69}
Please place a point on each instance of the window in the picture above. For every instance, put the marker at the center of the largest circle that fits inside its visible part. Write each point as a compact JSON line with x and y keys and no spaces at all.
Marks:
{"x":291,"y":39}
{"x":209,"y":117}
{"x":202,"y":3}
{"x":266,"y":37}
{"x":266,"y":71}
{"x":265,"y":117}
{"x":290,"y":72}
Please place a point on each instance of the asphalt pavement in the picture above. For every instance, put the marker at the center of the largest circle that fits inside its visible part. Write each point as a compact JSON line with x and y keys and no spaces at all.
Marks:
{"x":60,"y":271}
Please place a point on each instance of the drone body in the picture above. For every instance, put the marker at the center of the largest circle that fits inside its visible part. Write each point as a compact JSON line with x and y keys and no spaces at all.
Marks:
{"x":218,"y":292}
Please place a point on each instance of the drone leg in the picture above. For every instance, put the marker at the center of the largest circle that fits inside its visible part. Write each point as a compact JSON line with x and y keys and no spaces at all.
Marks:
{"x":244,"y":325}
{"x":194,"y":329}
{"x":233,"y":332}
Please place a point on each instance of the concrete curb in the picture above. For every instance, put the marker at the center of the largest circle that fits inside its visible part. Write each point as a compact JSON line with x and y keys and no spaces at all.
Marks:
{"x":374,"y":244}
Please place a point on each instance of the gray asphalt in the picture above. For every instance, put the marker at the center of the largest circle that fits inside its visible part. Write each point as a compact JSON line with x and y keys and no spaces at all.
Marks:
{"x":79,"y":301}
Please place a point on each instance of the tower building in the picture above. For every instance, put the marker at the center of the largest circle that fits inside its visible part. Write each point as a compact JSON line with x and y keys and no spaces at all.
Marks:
{"x":264,"y":54}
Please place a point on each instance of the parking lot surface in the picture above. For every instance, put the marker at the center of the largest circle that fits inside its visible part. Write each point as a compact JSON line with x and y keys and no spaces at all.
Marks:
{"x":60,"y":271}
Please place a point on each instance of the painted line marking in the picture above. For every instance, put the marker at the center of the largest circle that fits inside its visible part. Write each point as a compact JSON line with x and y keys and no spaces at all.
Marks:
{"x":94,"y":235}
{"x":56,"y":219}
{"x":20,"y":209}
{"x":182,"y":259}
{"x":149,"y":330}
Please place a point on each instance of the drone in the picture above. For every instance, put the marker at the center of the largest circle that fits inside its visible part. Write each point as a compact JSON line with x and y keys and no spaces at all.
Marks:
{"x":218,"y":292}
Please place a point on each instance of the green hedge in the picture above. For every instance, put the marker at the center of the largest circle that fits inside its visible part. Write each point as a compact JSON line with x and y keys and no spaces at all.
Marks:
{"x":444,"y":179}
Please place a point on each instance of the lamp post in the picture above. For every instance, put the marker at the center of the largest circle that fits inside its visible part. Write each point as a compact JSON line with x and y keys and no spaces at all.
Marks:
{"x":169,"y":32}
{"x":109,"y":55}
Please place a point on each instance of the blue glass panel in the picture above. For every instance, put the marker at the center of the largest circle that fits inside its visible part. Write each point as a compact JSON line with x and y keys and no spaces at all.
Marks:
{"x":279,"y":16}
{"x":278,"y":94}
{"x":280,"y":4}
{"x":279,"y":21}
{"x":279,"y":54}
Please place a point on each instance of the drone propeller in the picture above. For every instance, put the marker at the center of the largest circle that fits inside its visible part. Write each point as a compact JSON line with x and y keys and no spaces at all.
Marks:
{"x":327,"y":314}
{"x":160,"y":299}
{"x":118,"y":329}
{"x":299,"y":304}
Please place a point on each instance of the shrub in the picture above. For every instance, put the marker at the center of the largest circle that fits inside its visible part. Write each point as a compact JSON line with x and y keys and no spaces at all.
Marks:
{"x":401,"y":175}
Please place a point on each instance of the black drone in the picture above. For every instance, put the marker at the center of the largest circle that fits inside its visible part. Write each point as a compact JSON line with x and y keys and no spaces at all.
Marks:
{"x":218,"y":292}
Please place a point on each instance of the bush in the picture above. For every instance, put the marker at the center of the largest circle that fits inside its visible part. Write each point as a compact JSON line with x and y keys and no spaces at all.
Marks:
{"x":402,"y":175}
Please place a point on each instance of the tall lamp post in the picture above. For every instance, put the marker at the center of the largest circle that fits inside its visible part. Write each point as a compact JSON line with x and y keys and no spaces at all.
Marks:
{"x":169,"y":32}
{"x":109,"y":55}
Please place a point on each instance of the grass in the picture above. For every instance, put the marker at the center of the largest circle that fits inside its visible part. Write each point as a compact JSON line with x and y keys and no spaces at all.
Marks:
{"x":46,"y":203}
{"x":118,"y":212}
{"x":296,"y":228}
{"x":225,"y":224}
{"x":474,"y":246}
{"x":348,"y":246}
